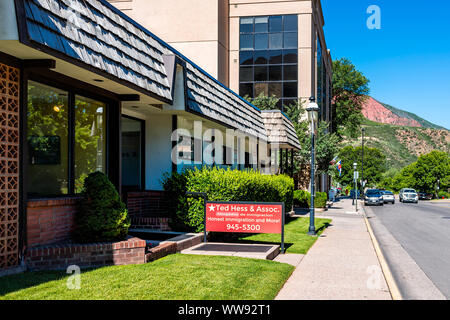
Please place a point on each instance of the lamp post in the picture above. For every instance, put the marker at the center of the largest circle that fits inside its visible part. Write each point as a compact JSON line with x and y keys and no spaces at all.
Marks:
{"x":313,"y":114}
{"x":355,"y":179}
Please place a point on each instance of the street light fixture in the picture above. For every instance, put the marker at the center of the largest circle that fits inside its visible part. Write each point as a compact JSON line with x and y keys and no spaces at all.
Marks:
{"x":313,"y":115}
{"x":355,"y":179}
{"x":362,"y":164}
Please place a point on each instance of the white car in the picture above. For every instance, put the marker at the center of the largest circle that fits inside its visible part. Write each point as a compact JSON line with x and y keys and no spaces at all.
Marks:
{"x":388,"y":197}
{"x":408,"y":195}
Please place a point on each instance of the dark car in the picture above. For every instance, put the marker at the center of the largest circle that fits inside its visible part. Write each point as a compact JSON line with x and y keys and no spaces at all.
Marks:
{"x":373,"y":197}
{"x":425,"y":196}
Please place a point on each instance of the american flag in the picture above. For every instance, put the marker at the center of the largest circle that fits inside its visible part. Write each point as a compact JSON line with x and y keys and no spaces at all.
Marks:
{"x":339,"y":167}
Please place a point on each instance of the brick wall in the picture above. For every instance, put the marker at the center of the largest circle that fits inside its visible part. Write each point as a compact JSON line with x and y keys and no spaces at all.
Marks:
{"x":60,"y":256}
{"x":50,"y":220}
{"x":148,"y":209}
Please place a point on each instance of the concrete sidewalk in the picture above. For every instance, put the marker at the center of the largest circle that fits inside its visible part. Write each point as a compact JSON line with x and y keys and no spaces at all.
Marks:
{"x":342,"y":264}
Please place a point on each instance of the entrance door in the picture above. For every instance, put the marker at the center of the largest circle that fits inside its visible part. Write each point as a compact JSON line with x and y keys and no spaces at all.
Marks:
{"x":133,"y":150}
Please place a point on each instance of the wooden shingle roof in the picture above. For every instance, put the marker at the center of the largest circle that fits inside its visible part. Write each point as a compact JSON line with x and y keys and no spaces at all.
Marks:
{"x":280,"y":129}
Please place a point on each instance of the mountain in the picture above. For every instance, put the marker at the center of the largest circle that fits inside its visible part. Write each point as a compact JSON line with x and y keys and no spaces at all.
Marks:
{"x":401,"y":135}
{"x":383,"y":113}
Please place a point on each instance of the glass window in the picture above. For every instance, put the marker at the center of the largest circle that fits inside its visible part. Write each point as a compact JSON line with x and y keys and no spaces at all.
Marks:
{"x":261,"y":24}
{"x":246,"y":25}
{"x":275,"y":24}
{"x":90,"y":142}
{"x":246,"y":89}
{"x":276,"y":40}
{"x":261,"y":57}
{"x":246,"y":42}
{"x":275,"y":73}
{"x":261,"y":41}
{"x":59,"y":161}
{"x":290,"y":40}
{"x":290,"y":56}
{"x":290,"y":23}
{"x":246,"y":57}
{"x":132,"y":140}
{"x":246,"y":74}
{"x":261,"y":73}
{"x":290,"y":89}
{"x":261,"y":88}
{"x":47,"y":135}
{"x":275,"y":88}
{"x":290,"y":72}
{"x":275,"y":57}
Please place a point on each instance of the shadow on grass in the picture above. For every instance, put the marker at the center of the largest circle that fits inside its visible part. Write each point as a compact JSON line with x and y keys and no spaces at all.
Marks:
{"x":21,"y":281}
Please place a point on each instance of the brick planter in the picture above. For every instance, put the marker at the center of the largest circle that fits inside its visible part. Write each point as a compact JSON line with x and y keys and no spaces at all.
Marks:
{"x":60,"y":256}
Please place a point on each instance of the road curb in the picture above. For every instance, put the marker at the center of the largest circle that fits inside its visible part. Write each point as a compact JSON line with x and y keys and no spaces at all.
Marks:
{"x":392,"y":284}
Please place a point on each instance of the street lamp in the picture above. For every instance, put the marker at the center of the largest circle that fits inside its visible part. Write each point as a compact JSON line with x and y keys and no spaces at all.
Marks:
{"x":313,"y":115}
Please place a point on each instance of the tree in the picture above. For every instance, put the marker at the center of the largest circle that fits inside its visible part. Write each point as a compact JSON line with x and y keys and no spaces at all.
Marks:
{"x":350,"y":90}
{"x":263,"y":102}
{"x":374,"y":165}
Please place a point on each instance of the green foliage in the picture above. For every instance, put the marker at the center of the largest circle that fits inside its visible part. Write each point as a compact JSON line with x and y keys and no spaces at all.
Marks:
{"x":320,"y":200}
{"x":264,"y":102}
{"x":221,"y":185}
{"x":350,"y":90}
{"x":374,"y":165}
{"x":424,"y":174}
{"x":302,"y":198}
{"x":101,"y":216}
{"x":443,"y":195}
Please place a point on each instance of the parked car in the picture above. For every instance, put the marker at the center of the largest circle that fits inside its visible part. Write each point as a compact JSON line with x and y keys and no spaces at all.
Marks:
{"x":373,"y":197}
{"x":425,"y":196}
{"x":388,"y":196}
{"x":408,"y":195}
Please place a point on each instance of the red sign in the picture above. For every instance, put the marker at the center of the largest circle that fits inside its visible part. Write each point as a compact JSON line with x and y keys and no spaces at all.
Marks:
{"x":244,"y":217}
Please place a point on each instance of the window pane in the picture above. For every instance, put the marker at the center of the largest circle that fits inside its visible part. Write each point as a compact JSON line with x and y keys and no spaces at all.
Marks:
{"x":275,"y":24}
{"x":261,"y":24}
{"x":290,"y":89}
{"x":261,"y":88}
{"x":290,"y":40}
{"x":90,"y":139}
{"x":246,"y":74}
{"x":246,"y":57}
{"x":288,"y":102}
{"x":275,"y":88}
{"x":246,"y":89}
{"x":261,"y":73}
{"x":275,"y":57}
{"x":246,"y":25}
{"x":47,"y":121}
{"x":275,"y":73}
{"x":275,"y":40}
{"x":246,"y":42}
{"x":290,"y":23}
{"x":261,"y":57}
{"x":290,"y":56}
{"x":131,"y":153}
{"x":290,"y":72}
{"x":261,"y":41}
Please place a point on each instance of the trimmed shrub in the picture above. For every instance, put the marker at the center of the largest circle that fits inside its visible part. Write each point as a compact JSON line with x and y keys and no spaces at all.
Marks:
{"x":101,"y":215}
{"x":320,"y":200}
{"x":302,"y":198}
{"x":221,"y":185}
{"x":443,"y":194}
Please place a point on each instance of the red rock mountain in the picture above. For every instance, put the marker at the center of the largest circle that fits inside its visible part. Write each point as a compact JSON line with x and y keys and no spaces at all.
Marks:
{"x":375,"y":111}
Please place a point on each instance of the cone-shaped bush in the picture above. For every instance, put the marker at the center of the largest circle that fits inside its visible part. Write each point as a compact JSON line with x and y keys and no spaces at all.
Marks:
{"x":101,"y":216}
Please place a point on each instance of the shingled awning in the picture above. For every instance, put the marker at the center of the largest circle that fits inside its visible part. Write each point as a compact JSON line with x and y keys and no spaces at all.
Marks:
{"x":280,"y":130}
{"x":96,"y":34}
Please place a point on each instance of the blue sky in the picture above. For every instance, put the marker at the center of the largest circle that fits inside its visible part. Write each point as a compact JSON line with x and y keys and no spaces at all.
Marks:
{"x":407,"y":60}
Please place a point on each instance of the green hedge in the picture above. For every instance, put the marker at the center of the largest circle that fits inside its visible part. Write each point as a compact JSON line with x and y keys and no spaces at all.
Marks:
{"x":302,"y":199}
{"x":221,"y":185}
{"x":443,"y":194}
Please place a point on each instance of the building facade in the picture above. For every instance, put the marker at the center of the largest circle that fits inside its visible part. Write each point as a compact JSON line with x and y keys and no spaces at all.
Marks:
{"x":270,"y":47}
{"x":85,"y":88}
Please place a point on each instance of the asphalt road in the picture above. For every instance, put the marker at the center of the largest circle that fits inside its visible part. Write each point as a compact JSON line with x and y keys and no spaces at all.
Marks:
{"x":423,"y":230}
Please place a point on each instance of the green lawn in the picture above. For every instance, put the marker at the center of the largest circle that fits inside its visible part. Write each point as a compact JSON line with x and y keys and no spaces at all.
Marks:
{"x":295,"y":235}
{"x":183,"y":277}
